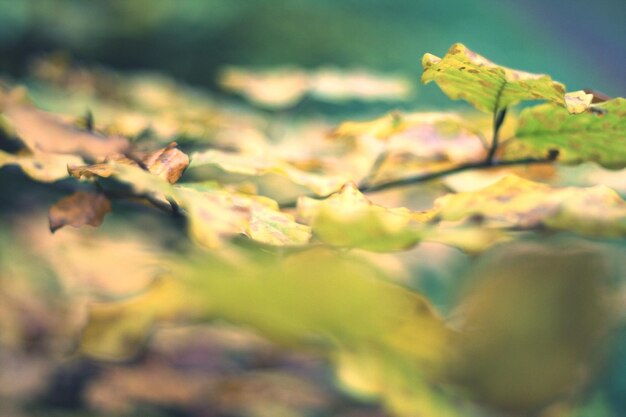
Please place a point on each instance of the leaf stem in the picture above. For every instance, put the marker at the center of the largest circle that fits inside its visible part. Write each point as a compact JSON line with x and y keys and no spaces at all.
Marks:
{"x":498,"y":120}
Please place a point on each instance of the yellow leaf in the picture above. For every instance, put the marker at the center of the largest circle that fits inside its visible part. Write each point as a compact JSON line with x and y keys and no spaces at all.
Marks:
{"x":348,"y":219}
{"x":515,"y":202}
{"x":216,"y":213}
{"x":256,"y":165}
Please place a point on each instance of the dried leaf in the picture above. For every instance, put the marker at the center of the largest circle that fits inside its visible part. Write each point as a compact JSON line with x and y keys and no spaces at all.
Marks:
{"x":79,"y":209}
{"x":516,"y":202}
{"x":256,"y":165}
{"x":216,"y":214}
{"x":578,"y":101}
{"x":45,"y":132}
{"x":168,"y":163}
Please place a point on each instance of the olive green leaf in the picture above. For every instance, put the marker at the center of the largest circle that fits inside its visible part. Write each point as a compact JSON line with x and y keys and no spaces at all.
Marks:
{"x":516,"y":202}
{"x":463,"y":74}
{"x":386,"y":341}
{"x":598,"y":135}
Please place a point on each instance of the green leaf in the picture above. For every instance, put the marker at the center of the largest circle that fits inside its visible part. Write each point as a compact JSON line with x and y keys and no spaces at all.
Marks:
{"x":515,"y":202}
{"x":387,"y":342}
{"x":463,"y":74}
{"x":598,"y":135}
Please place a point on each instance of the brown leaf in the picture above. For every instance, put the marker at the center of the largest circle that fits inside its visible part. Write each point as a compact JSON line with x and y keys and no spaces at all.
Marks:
{"x":79,"y":209}
{"x":46,"y":132}
{"x":168,"y":163}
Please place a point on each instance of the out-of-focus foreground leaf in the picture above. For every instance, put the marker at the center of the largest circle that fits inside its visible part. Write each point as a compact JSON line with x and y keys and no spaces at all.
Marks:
{"x":386,"y":341}
{"x":598,"y":135}
{"x":534,"y":320}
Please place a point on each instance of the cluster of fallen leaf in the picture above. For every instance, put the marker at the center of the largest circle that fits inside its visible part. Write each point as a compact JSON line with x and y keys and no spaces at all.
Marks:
{"x":234,"y":172}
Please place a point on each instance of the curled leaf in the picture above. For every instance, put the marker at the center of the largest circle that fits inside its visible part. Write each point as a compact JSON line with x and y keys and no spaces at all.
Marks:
{"x":79,"y":209}
{"x":168,"y":163}
{"x":578,"y":101}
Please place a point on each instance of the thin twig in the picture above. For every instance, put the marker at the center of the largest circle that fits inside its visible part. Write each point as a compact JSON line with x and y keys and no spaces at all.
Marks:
{"x":416,"y":179}
{"x":159,"y":204}
{"x":375,"y":169}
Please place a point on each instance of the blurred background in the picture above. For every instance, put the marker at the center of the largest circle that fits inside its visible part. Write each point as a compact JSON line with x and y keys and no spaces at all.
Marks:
{"x":579,"y":43}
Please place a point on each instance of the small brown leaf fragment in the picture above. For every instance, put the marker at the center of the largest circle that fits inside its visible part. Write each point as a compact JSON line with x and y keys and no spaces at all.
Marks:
{"x":79,"y":209}
{"x":598,"y":97}
{"x":168,"y":163}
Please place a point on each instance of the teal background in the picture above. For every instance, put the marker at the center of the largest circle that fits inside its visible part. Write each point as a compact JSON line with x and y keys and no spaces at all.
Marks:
{"x":580,"y":43}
